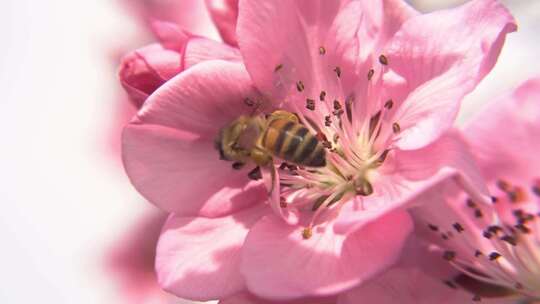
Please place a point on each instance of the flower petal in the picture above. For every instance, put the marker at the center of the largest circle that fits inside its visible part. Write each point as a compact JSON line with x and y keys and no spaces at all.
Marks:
{"x":181,"y":173}
{"x":247,"y":298}
{"x":279,"y":263}
{"x":198,"y":258}
{"x":224,"y":13}
{"x":440,"y":69}
{"x":144,"y":70}
{"x":279,"y":56}
{"x":199,"y":49}
{"x":515,"y":118}
{"x":201,"y":100}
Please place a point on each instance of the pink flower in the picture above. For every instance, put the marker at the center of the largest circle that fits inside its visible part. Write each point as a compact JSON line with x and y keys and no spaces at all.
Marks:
{"x":378,"y":84}
{"x":497,"y":243}
{"x":144,"y":70}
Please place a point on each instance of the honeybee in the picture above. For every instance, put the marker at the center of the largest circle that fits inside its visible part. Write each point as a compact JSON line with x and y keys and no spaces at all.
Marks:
{"x":260,"y":138}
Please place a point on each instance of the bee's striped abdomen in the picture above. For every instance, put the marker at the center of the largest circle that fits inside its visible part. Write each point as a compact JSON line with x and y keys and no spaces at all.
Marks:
{"x":293,"y":142}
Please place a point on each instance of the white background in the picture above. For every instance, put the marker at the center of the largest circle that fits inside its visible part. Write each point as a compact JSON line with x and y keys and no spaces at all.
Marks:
{"x":64,"y":197}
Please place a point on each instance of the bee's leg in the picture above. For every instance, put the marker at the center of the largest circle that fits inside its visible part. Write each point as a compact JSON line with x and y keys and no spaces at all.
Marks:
{"x":260,"y":157}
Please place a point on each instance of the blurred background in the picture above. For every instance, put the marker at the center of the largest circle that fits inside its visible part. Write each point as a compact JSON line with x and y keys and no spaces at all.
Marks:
{"x":72,"y":227}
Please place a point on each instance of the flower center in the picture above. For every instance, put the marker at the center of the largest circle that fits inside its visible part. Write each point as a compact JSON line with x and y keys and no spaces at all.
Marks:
{"x":358,"y":134}
{"x":505,"y":253}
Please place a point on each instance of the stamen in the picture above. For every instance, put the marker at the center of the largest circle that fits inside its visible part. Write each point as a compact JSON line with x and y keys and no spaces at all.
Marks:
{"x":536,"y":187}
{"x":307,"y":233}
{"x":458,"y":227}
{"x":433,"y":227}
{"x":503,"y":185}
{"x":370,"y":74}
{"x":300,"y":86}
{"x":338,"y":71}
{"x":328,"y":121}
{"x":494,"y":255}
{"x":383,"y":60}
{"x":322,"y":95}
{"x":396,"y":128}
{"x":322,"y":50}
{"x":278,"y":67}
{"x":249,"y":102}
{"x":310,"y":104}
{"x":449,"y":255}
{"x":389,"y":104}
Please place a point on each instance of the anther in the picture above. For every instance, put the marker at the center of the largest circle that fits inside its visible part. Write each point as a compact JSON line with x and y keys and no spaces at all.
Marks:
{"x":328,"y":121}
{"x":383,"y":60}
{"x":471,"y":203}
{"x":363,"y":187}
{"x":523,"y":228}
{"x":389,"y":104}
{"x":322,"y":95}
{"x":237,"y":165}
{"x":255,"y":174}
{"x":282,"y":202}
{"x":310,"y":104}
{"x":278,"y":67}
{"x":300,"y":86}
{"x":337,"y":105}
{"x":321,"y":136}
{"x":518,"y":286}
{"x":338,"y":71}
{"x":327,"y":144}
{"x":370,"y":74}
{"x":322,"y":50}
{"x":249,"y":102}
{"x":478,"y":213}
{"x":503,"y":185}
{"x":458,"y":227}
{"x":450,"y":284}
{"x":396,"y":128}
{"x":433,"y":227}
{"x":517,"y":195}
{"x":510,"y":240}
{"x":494,"y":199}
{"x":335,"y":138}
{"x":449,"y":255}
{"x":494,"y":255}
{"x":536,"y":187}
{"x":444,"y":236}
{"x":373,"y":122}
{"x":488,"y":235}
{"x":477,"y":253}
{"x":307,"y":233}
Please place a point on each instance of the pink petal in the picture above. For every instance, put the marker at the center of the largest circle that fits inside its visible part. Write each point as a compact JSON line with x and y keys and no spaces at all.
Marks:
{"x":201,"y":100}
{"x":513,"y":152}
{"x":170,"y":35}
{"x":278,"y":263}
{"x":225,"y":14}
{"x":144,"y":70}
{"x":181,"y":173}
{"x":199,"y":258}
{"x":405,"y":286}
{"x":440,"y":69}
{"x":199,"y":49}
{"x":287,"y":33}
{"x":247,"y":298}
